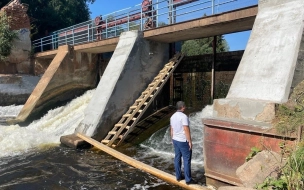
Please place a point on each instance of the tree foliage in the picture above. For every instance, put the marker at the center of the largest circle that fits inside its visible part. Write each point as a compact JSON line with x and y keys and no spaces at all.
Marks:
{"x":204,"y":46}
{"x":51,"y":15}
{"x":7,"y":37}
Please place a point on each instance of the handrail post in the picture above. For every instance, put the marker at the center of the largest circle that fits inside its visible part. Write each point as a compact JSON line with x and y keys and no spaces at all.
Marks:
{"x":129,"y":21}
{"x":73,"y":37}
{"x":106,"y":28}
{"x":52,"y":41}
{"x":88,"y":34}
{"x":141,"y":19}
{"x":92,"y":30}
{"x":156,"y":19}
{"x":41,"y":47}
{"x":115,"y":27}
{"x":170,"y":11}
{"x":152,"y":15}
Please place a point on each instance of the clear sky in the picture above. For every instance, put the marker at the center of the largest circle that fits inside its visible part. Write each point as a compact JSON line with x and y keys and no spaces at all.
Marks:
{"x":236,"y":41}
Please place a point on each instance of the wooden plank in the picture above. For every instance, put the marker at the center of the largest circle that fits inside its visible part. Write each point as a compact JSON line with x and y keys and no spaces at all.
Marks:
{"x":135,"y":163}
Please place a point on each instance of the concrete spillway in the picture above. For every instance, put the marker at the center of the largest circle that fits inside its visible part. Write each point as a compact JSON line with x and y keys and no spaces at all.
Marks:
{"x":41,"y":86}
{"x":67,"y":75}
{"x":133,"y":66}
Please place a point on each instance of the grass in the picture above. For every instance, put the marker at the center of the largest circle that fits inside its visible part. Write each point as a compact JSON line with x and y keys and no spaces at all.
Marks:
{"x":290,"y":115}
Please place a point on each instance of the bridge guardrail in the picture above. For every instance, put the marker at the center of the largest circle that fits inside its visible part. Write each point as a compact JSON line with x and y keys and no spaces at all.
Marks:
{"x":138,"y":17}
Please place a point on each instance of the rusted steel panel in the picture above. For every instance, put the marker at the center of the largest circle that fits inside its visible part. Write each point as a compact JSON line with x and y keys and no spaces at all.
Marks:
{"x":227,"y":144}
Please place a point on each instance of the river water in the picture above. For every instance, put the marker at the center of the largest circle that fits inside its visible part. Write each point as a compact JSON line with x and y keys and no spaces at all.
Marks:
{"x":31,"y":156}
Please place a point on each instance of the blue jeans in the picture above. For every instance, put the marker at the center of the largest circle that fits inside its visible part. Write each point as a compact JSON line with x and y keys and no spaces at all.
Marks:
{"x":181,"y":149}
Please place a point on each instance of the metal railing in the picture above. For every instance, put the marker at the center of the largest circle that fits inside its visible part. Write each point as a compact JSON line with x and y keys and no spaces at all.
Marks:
{"x":163,"y":13}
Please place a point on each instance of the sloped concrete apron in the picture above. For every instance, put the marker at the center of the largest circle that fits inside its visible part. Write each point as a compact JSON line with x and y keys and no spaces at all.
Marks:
{"x":68,"y":75}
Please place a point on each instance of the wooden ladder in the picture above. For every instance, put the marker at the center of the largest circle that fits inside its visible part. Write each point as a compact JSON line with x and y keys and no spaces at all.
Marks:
{"x":132,"y":116}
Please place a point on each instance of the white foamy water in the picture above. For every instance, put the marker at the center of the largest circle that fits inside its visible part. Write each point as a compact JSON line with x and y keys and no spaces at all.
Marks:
{"x":16,"y":140}
{"x":160,"y":143}
{"x":10,"y":111}
{"x":46,"y":131}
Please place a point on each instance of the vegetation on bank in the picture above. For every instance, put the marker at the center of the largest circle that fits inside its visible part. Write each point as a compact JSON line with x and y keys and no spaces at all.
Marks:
{"x":290,"y":115}
{"x":291,"y":175}
{"x":7,"y":37}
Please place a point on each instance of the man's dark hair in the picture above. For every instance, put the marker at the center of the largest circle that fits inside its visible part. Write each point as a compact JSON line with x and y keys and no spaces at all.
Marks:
{"x":180,"y":104}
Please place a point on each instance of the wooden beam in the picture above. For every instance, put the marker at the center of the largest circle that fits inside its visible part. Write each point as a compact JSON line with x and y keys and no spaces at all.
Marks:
{"x":156,"y":172}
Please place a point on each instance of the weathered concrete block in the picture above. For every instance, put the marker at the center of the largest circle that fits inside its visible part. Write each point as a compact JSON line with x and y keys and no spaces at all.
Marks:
{"x":244,"y":109}
{"x":73,"y":141}
{"x":255,"y":171}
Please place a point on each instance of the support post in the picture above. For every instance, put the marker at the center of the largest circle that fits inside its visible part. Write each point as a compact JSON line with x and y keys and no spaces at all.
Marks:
{"x":170,"y":11}
{"x":213,"y":69}
{"x":156,"y":13}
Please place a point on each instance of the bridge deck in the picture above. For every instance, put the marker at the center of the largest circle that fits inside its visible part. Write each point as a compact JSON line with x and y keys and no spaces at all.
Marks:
{"x":224,"y":23}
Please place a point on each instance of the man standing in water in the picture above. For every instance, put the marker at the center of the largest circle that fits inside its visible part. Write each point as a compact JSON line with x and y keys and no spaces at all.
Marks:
{"x":181,"y":138}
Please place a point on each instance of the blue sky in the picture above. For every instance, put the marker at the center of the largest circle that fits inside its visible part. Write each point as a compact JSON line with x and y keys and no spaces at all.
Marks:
{"x":236,"y":41}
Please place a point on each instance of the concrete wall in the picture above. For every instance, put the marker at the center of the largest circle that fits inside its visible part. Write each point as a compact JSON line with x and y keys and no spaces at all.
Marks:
{"x":133,"y":66}
{"x":267,"y":68}
{"x":15,"y":89}
{"x":20,"y":54}
{"x":299,"y":71}
{"x":19,"y":59}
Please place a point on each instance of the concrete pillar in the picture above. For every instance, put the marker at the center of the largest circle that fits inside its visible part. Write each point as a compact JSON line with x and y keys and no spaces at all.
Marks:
{"x":133,"y":66}
{"x":271,"y":66}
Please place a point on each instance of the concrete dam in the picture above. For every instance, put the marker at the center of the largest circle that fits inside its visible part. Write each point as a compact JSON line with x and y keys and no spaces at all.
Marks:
{"x":270,"y":68}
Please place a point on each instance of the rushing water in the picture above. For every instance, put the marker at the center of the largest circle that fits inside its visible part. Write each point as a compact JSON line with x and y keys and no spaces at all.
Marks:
{"x":31,"y":157}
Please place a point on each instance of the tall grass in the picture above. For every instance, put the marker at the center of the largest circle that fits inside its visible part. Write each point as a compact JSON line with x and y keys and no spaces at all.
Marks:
{"x":291,"y":175}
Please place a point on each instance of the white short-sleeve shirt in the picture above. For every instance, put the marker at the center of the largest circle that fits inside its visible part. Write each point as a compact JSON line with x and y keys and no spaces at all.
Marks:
{"x":177,"y":121}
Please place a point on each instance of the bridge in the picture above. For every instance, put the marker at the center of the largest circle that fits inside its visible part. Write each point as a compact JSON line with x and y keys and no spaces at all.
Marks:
{"x":186,"y":19}
{"x":177,"y":21}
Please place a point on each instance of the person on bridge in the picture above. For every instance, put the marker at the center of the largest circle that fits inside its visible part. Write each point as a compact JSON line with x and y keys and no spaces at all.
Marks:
{"x":181,"y":138}
{"x":147,"y":13}
{"x":99,"y":22}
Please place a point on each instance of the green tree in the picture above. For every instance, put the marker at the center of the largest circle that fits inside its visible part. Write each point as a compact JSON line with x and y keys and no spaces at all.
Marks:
{"x":161,"y":23}
{"x":51,"y":15}
{"x":7,"y":37}
{"x":134,"y":26}
{"x":204,"y":46}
